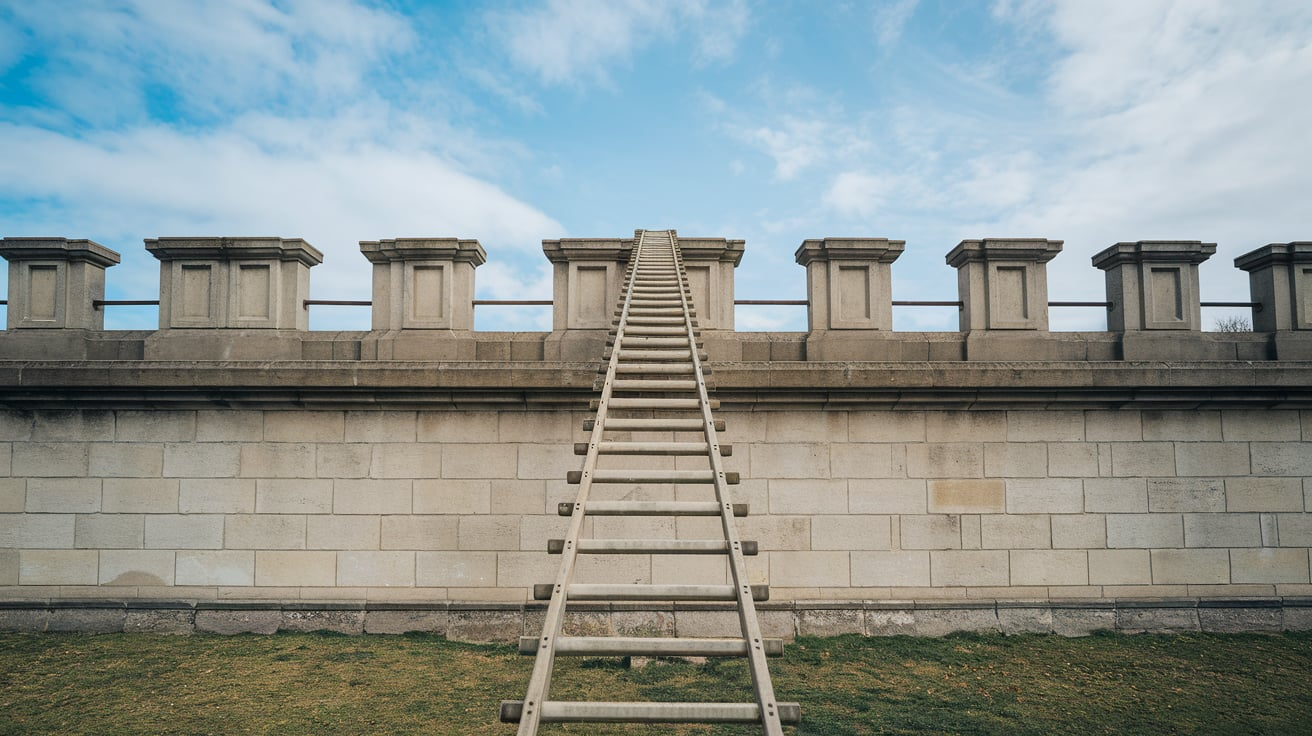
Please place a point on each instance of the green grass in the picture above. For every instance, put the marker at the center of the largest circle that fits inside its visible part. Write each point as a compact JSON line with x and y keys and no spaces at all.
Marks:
{"x":319,"y":683}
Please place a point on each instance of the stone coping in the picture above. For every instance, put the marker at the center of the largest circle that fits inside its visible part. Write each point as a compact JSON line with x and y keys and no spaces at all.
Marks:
{"x":570,"y":385}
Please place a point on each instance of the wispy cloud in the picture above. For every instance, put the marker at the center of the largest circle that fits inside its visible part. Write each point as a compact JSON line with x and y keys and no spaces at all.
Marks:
{"x":891,"y":19}
{"x":577,"y":42}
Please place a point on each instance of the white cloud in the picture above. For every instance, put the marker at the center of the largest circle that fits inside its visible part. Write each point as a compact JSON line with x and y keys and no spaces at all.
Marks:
{"x":857,"y":193}
{"x":797,"y":144}
{"x":576,"y":41}
{"x":891,"y":18}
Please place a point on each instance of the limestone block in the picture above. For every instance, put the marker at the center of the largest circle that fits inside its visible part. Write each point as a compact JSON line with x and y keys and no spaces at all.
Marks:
{"x":178,"y":620}
{"x":1045,"y":426}
{"x":459,"y":427}
{"x":534,"y":531}
{"x":75,"y":425}
{"x":1269,"y":458}
{"x":1211,"y":458}
{"x":220,"y":567}
{"x":136,"y":567}
{"x":1260,"y":425}
{"x":338,"y":621}
{"x":689,"y":570}
{"x":381,"y":426}
{"x":930,"y":532}
{"x":24,"y":620}
{"x":507,"y":570}
{"x":1295,"y":530}
{"x":406,"y":460}
{"x":37,"y":531}
{"x":140,"y":496}
{"x":289,"y":460}
{"x":184,"y":531}
{"x":886,"y":426}
{"x":1119,"y":425}
{"x":303,"y":426}
{"x":550,"y":461}
{"x":1079,"y":531}
{"x":1296,"y":618}
{"x":946,"y":619}
{"x":1236,"y":618}
{"x":893,"y":621}
{"x":834,"y":621}
{"x":773,"y":532}
{"x":365,"y":496}
{"x":50,"y":460}
{"x":512,"y":497}
{"x":1015,"y":460}
{"x":808,"y":496}
{"x":1119,"y":567}
{"x":1156,"y":619}
{"x":859,"y":461}
{"x":850,"y":533}
{"x":1182,"y":426}
{"x":295,"y":569}
{"x":63,"y":495}
{"x":1020,"y":618}
{"x":537,"y":426}
{"x":343,"y":532}
{"x":643,"y":623}
{"x":490,"y":461}
{"x":13,"y":495}
{"x":1072,"y":460}
{"x":810,"y":569}
{"x":699,"y":621}
{"x":1049,"y":567}
{"x":216,"y":496}
{"x":1190,"y":566}
{"x":489,"y":533}
{"x":125,"y":460}
{"x":1186,"y":495}
{"x":789,"y":460}
{"x":420,"y":532}
{"x":202,"y":460}
{"x":443,"y":496}
{"x":970,"y":496}
{"x":376,"y":569}
{"x":457,"y":569}
{"x":229,"y":425}
{"x":1082,"y":621}
{"x":887,"y":496}
{"x":742,"y":428}
{"x":1015,"y":531}
{"x":1269,"y":566}
{"x":343,"y":461}
{"x":951,"y":460}
{"x":229,"y":622}
{"x":293,"y":496}
{"x":406,"y":621}
{"x":16,"y":425}
{"x":154,"y":426}
{"x":634,"y":569}
{"x":486,"y":626}
{"x":1045,"y":496}
{"x":1143,"y":459}
{"x":970,"y":568}
{"x":1222,"y":530}
{"x":805,"y":427}
{"x":92,"y":619}
{"x":884,"y":569}
{"x":58,"y":567}
{"x":100,"y":531}
{"x":970,"y":532}
{"x":964,"y":426}
{"x":264,"y":531}
{"x":1144,"y":530}
{"x":1116,"y":495}
{"x":1263,"y":494}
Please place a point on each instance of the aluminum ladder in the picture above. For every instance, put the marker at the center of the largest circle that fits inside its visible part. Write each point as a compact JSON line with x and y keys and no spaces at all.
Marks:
{"x":654,"y":381}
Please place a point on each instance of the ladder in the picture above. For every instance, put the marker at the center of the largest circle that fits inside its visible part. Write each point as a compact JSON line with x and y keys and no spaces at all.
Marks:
{"x":654,"y":382}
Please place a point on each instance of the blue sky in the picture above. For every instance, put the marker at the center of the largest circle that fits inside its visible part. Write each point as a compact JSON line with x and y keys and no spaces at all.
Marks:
{"x":510,"y":122}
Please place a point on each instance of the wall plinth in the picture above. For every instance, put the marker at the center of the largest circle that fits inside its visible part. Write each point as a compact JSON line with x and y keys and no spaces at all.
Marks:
{"x":423,"y":283}
{"x":1003,"y":283}
{"x":1280,"y":279}
{"x":1153,"y":284}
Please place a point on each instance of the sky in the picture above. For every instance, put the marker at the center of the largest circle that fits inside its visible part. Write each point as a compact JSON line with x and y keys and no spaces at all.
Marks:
{"x":930,"y":121}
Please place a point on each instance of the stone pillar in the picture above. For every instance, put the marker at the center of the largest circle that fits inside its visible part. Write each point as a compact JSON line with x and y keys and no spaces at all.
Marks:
{"x":423,"y":283}
{"x":1153,"y":284}
{"x":586,"y":275}
{"x":246,"y":283}
{"x":1280,"y":279}
{"x":849,"y":282}
{"x":710,"y":263}
{"x":53,"y":282}
{"x":1003,"y":283}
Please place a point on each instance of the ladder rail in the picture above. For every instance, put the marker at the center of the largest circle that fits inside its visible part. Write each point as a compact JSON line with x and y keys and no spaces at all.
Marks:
{"x":539,"y":683}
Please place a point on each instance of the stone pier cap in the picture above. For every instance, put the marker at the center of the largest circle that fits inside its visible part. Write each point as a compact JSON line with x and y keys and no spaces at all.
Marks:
{"x":226,"y":248}
{"x":64,"y":249}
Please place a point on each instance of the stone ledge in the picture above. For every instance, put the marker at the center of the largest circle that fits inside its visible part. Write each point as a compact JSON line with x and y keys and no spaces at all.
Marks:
{"x":504,"y":622}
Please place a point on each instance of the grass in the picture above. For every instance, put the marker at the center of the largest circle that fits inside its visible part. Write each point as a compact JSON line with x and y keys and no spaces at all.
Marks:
{"x":320,"y":683}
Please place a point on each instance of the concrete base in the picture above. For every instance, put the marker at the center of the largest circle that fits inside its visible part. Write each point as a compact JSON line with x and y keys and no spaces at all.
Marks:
{"x":505,"y":622}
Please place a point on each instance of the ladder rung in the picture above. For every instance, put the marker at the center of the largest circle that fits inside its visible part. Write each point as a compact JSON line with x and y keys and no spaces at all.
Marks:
{"x":631,"y":353}
{"x":672,"y":369}
{"x":646,"y":331}
{"x":654,"y":384}
{"x":619,"y":424}
{"x":560,"y":711}
{"x":653,"y":448}
{"x":651,"y":508}
{"x":654,"y":404}
{"x":652,"y":547}
{"x":652,"y":476}
{"x":631,"y":592}
{"x":637,"y":341}
{"x":649,"y":646}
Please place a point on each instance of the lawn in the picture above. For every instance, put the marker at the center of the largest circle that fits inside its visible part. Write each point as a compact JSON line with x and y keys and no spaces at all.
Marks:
{"x":319,"y":683}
